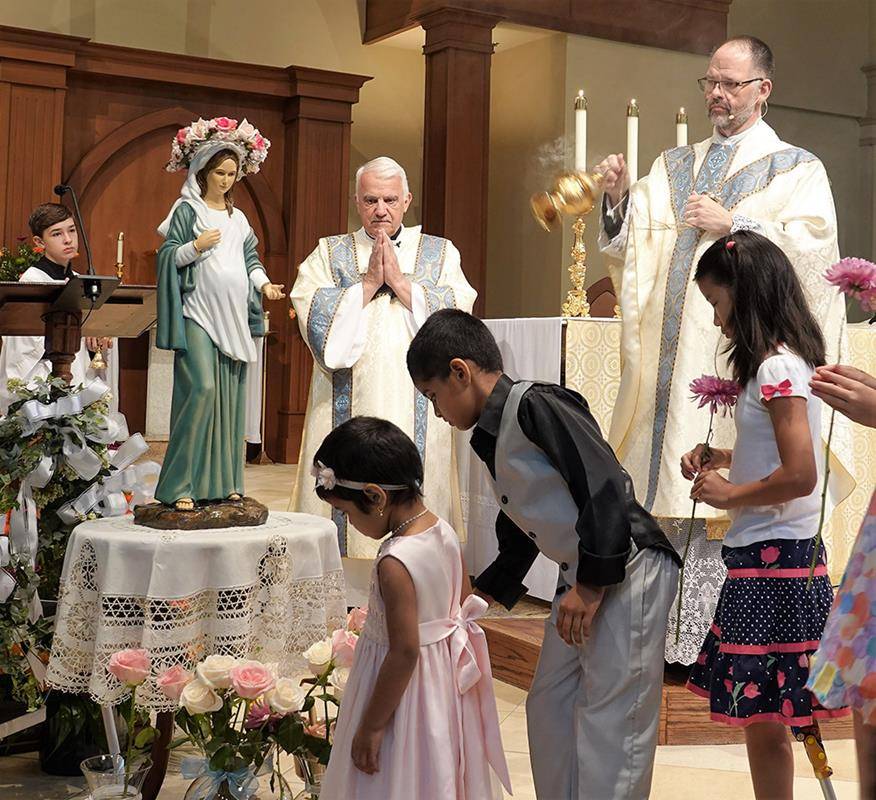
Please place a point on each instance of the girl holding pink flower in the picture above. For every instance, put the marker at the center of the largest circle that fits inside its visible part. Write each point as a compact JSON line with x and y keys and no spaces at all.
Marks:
{"x":754,"y":663}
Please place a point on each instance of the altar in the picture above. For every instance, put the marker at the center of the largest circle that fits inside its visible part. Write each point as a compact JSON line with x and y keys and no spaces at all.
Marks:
{"x":583,"y":353}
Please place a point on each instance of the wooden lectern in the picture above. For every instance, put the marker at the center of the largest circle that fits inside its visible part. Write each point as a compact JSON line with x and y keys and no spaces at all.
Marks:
{"x":87,"y":305}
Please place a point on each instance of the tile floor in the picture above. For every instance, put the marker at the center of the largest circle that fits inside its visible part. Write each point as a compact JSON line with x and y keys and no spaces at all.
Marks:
{"x":681,"y":772}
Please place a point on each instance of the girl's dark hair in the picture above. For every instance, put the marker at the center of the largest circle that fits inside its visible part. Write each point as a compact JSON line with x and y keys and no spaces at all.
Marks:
{"x":769,"y":307}
{"x":371,"y":450}
{"x":214,"y":161}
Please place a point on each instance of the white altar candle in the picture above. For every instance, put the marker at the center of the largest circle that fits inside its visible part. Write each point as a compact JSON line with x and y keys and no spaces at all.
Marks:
{"x":580,"y":132}
{"x":681,"y":128}
{"x":633,"y":140}
{"x":120,"y":249}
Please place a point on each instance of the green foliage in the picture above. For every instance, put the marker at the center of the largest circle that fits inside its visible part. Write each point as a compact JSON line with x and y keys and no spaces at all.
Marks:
{"x":20,"y":454}
{"x":16,"y":259}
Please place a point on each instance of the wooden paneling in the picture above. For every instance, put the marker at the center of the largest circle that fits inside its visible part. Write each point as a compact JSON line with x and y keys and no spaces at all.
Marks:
{"x":694,"y":26}
{"x":102,"y":118}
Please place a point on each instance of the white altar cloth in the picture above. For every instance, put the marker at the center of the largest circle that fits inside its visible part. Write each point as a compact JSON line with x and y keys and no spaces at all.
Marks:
{"x":531,"y":350}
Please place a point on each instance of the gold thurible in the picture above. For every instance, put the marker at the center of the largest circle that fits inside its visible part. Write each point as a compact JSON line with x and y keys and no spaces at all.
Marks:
{"x":573,"y":194}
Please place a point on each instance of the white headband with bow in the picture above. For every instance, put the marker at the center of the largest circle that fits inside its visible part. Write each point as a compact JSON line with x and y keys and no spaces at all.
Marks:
{"x":326,"y":479}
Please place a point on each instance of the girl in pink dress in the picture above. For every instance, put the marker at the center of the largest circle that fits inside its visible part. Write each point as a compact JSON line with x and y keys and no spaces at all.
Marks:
{"x":418,"y":717}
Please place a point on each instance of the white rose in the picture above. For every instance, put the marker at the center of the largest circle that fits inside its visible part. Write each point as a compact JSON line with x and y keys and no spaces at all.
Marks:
{"x":215,"y":671}
{"x":318,"y":655}
{"x":286,"y":696}
{"x":199,"y":698}
{"x":246,"y":130}
{"x":200,"y":129}
{"x":338,"y":679}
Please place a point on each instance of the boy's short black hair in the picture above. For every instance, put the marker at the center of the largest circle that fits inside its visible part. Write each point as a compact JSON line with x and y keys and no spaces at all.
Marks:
{"x":46,"y":215}
{"x":371,"y":450}
{"x":448,"y":334}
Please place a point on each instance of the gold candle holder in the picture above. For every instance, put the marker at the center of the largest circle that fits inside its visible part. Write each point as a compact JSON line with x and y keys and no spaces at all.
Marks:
{"x":120,"y":258}
{"x":573,"y":193}
{"x":681,"y":117}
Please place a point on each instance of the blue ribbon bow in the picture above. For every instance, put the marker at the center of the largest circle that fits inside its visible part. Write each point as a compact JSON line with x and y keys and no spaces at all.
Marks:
{"x":242,"y":784}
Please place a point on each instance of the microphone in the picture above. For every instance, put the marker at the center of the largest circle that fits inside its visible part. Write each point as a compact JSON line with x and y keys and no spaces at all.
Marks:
{"x":61,"y":189}
{"x":744,"y":110}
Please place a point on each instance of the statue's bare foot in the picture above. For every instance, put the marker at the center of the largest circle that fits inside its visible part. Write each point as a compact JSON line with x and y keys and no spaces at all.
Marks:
{"x":234,"y":497}
{"x":184,"y":504}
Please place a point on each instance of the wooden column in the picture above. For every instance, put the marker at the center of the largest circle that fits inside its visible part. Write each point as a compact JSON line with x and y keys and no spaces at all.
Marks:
{"x":457,"y":134}
{"x":33,"y":85}
{"x":316,"y":195}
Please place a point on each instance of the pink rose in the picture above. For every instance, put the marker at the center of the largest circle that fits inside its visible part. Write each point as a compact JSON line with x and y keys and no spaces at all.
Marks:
{"x":751,"y":691}
{"x":356,"y":619}
{"x":803,"y":660}
{"x":172,"y":681}
{"x":787,"y":709}
{"x":251,"y":679}
{"x":225,"y":124}
{"x":181,"y":135}
{"x":728,"y":685}
{"x":259,"y":142}
{"x":130,"y":666}
{"x":780,"y":678}
{"x":770,"y":554}
{"x":343,"y":647}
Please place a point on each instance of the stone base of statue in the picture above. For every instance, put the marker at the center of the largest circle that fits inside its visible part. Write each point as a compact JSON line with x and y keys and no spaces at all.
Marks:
{"x":218,"y":514}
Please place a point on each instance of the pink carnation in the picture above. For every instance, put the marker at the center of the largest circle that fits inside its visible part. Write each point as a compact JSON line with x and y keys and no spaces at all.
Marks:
{"x":225,"y":123}
{"x":769,"y":555}
{"x":716,"y":393}
{"x":343,"y":647}
{"x":854,"y":277}
{"x":356,"y":619}
{"x":172,"y":681}
{"x":251,"y":679}
{"x":130,"y":666}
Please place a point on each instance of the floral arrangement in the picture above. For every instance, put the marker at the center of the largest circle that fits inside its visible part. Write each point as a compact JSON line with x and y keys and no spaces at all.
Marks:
{"x":720,"y":395}
{"x":856,"y":279}
{"x":15,"y":261}
{"x":242,"y":715}
{"x":244,"y":136}
{"x":55,"y":449}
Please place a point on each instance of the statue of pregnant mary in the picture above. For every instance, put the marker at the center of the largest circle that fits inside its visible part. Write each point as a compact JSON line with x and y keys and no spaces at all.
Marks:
{"x":210,"y":288}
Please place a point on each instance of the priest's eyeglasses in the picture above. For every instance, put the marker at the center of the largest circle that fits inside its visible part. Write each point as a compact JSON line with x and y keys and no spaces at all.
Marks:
{"x":390,"y":202}
{"x":727,"y":87}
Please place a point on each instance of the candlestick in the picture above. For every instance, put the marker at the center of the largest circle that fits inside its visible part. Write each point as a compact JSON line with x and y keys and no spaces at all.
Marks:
{"x":681,"y":128}
{"x":120,"y":255}
{"x":633,"y":140}
{"x":580,"y":132}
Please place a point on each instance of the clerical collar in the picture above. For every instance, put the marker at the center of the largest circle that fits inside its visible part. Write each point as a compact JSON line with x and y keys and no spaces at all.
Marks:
{"x":395,"y":238}
{"x":736,"y":137}
{"x":55,"y":271}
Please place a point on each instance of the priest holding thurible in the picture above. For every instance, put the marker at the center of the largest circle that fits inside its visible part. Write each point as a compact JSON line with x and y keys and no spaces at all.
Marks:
{"x":743,"y":177}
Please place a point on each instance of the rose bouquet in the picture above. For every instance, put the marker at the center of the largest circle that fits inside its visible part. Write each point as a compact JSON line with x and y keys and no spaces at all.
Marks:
{"x":242,"y":716}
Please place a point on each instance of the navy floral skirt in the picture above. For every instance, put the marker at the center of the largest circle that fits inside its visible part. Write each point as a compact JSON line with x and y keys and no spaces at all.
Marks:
{"x":754,"y":663}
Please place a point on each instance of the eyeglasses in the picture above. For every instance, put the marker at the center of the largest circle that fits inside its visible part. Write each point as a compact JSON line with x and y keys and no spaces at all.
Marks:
{"x":727,"y":87}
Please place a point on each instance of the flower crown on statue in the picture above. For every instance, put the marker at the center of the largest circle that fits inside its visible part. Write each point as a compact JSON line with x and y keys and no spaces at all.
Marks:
{"x":244,"y":138}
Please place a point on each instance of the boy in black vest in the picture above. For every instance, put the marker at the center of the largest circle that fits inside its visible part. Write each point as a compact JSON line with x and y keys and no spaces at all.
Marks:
{"x":594,"y":704}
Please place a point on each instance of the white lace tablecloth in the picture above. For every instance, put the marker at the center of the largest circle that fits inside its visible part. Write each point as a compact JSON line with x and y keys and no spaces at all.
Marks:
{"x":265,"y":592}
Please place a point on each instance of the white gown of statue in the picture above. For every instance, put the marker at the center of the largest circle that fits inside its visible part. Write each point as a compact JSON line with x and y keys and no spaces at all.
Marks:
{"x":360,"y":368}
